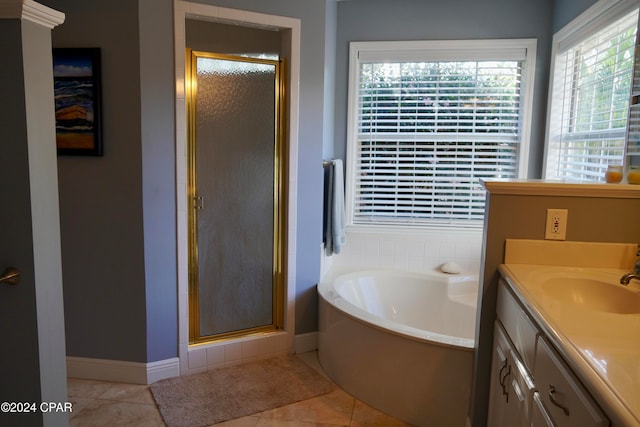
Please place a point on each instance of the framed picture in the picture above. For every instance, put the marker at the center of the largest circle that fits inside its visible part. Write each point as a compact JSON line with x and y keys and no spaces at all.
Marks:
{"x":76,"y":80}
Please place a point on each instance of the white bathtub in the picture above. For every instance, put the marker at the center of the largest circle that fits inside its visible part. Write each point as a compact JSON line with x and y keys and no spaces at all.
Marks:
{"x":401,"y":342}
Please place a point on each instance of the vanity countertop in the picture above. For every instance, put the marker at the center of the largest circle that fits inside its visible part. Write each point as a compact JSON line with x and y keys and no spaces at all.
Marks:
{"x":602,"y":345}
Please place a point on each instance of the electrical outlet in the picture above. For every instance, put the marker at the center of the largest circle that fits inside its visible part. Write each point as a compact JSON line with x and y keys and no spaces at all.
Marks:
{"x":556,"y":228}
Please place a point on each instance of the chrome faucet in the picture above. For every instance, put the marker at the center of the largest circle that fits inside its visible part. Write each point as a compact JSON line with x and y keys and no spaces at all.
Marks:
{"x":624,"y":280}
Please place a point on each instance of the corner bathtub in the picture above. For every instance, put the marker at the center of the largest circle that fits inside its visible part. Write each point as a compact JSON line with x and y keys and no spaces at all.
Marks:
{"x":401,"y":342}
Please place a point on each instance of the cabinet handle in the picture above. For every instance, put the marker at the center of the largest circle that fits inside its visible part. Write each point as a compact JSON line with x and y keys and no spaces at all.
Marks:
{"x":502,"y":378}
{"x":552,"y":397}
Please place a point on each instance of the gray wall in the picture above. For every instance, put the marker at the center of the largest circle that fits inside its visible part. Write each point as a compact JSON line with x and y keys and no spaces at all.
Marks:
{"x":370,"y":20}
{"x":118,"y":211}
{"x":565,"y":10}
{"x":101,"y":198}
{"x":157,"y":99}
{"x":331,"y":33}
{"x":231,"y":39}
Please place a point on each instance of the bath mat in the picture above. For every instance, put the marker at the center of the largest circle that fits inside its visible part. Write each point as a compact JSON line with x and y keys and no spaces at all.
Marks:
{"x":236,"y":391}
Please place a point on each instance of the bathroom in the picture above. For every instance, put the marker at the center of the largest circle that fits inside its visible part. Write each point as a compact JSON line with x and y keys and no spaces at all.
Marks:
{"x":118,"y":212}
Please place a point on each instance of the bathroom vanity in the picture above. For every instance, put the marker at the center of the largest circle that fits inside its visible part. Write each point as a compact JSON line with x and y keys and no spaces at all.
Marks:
{"x":566,"y":338}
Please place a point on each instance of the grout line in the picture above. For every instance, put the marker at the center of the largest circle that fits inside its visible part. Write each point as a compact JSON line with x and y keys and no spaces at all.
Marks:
{"x":353,"y":410}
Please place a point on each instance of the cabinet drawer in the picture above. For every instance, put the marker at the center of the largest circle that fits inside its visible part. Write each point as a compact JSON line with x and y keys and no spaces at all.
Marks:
{"x":562,"y":395}
{"x":519,"y":327}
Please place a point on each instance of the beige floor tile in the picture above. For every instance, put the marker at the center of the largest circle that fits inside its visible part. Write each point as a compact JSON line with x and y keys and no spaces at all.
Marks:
{"x":99,"y":413}
{"x":100,"y":403}
{"x":311,"y":359}
{"x":280,"y":423}
{"x":78,"y":404}
{"x":129,"y":393}
{"x":240,"y":422}
{"x":134,"y":393}
{"x":366,"y":416}
{"x":87,"y":388}
{"x":334,"y":408}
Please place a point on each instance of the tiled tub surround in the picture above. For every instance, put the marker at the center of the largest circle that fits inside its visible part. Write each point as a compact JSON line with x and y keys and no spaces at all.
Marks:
{"x":409,"y":250}
{"x":421,"y":251}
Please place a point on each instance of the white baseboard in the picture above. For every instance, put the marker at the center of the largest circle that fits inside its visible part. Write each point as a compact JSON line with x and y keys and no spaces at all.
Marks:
{"x":162,"y":369}
{"x":122,"y":371}
{"x":148,"y":373}
{"x":306,"y":342}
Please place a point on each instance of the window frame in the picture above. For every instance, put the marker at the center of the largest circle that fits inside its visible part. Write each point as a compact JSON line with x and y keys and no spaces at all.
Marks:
{"x":436,"y":50}
{"x":600,"y":15}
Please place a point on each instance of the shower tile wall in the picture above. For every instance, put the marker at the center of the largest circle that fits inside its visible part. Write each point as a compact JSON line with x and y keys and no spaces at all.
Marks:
{"x":414,"y":252}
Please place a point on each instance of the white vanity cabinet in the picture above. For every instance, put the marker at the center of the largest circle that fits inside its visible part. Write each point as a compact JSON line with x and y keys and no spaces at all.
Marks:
{"x":530,"y":383}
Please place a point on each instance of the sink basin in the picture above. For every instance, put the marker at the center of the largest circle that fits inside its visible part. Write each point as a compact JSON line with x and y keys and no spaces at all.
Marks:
{"x":592,"y":294}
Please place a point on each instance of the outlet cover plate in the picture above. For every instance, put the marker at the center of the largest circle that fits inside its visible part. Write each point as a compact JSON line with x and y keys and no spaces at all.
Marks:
{"x":556,"y":227}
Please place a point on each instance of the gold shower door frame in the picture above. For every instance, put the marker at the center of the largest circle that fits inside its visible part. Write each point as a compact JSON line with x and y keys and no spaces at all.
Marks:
{"x":280,"y":164}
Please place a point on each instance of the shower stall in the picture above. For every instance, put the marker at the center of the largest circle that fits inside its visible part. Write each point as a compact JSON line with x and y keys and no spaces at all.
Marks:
{"x":236,"y":186}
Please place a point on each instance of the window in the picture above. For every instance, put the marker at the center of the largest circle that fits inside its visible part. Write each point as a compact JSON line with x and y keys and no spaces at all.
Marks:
{"x":590,"y":91}
{"x":427,"y":121}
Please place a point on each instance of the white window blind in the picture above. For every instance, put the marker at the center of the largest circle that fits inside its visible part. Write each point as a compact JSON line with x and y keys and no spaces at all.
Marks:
{"x":427,"y":131}
{"x":591,"y":83}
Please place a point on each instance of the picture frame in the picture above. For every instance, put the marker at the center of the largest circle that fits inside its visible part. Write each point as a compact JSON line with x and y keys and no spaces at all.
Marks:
{"x":77,"y":93}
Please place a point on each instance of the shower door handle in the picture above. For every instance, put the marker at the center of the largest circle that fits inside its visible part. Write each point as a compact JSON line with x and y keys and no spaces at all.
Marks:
{"x":10,"y":276}
{"x":198,"y":202}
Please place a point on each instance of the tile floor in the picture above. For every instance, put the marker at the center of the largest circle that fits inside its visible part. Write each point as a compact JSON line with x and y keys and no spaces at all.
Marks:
{"x":98,"y":403}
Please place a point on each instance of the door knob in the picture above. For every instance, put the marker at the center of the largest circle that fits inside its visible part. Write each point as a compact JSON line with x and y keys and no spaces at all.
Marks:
{"x":10,"y":276}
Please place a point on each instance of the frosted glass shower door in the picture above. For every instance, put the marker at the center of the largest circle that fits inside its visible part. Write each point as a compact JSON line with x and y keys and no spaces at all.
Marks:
{"x":234,"y":187}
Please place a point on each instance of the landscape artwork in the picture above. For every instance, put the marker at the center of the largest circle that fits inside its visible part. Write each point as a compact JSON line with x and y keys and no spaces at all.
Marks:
{"x":76,"y":77}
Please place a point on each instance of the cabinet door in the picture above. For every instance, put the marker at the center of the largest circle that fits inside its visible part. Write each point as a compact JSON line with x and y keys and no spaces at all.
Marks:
{"x":520,"y":389}
{"x":568,"y":403}
{"x":500,"y":370}
{"x":539,"y":415}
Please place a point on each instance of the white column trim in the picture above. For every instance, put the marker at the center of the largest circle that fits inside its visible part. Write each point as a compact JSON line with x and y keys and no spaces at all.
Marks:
{"x":32,"y":11}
